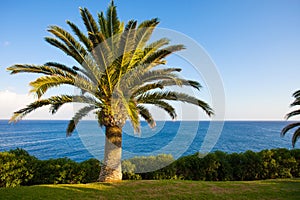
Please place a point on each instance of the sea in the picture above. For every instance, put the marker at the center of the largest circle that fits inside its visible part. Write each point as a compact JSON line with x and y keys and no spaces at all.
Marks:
{"x":46,"y":139}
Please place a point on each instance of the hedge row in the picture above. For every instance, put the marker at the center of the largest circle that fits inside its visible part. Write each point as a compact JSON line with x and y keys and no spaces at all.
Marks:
{"x":220,"y":166}
{"x":17,"y":167}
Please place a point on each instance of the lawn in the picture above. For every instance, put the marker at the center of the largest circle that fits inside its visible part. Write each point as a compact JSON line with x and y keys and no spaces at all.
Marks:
{"x":164,"y":189}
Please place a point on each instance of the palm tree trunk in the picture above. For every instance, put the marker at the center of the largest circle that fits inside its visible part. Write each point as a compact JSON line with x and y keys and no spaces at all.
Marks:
{"x":111,"y":170}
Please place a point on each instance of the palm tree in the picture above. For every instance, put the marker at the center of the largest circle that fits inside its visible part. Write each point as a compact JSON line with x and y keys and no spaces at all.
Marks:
{"x":118,"y":76}
{"x":296,"y":135}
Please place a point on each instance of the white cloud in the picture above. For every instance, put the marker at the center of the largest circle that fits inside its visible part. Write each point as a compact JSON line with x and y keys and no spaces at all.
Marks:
{"x":11,"y":102}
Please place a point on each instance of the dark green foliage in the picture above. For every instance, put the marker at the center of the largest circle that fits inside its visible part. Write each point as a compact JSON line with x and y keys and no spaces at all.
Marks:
{"x":143,"y":167}
{"x":89,"y":171}
{"x":17,"y":167}
{"x":220,"y":166}
{"x":62,"y":170}
{"x":189,"y":167}
{"x":280,"y":163}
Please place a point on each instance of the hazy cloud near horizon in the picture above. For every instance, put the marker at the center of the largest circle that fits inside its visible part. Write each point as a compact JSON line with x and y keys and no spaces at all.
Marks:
{"x":11,"y":102}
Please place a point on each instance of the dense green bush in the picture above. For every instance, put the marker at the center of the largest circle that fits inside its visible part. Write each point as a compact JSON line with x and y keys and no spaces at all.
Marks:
{"x":88,"y":171}
{"x":150,"y":167}
{"x":64,"y":170}
{"x":220,"y":166}
{"x":17,"y":167}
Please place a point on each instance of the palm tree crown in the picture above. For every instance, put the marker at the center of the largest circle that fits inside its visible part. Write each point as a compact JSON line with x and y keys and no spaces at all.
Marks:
{"x":117,"y":74}
{"x":292,"y":114}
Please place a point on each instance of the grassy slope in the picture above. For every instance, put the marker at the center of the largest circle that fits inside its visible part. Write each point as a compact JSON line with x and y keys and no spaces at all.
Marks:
{"x":166,"y":189}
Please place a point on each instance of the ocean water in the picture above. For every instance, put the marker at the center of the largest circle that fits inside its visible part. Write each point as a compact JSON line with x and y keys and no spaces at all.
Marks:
{"x":47,"y":139}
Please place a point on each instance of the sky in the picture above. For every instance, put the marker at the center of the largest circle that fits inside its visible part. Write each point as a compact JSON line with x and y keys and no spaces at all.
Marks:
{"x":254,"y":44}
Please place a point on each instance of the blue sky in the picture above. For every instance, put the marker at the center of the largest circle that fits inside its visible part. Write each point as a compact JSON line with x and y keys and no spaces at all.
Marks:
{"x":255,"y":45}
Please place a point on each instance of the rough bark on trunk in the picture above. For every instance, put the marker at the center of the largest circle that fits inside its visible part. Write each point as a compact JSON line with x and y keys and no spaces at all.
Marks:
{"x":111,"y":170}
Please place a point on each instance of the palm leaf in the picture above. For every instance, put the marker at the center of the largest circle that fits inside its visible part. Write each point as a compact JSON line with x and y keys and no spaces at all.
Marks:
{"x":61,"y":67}
{"x":141,"y":54}
{"x":145,"y":113}
{"x":89,"y":21}
{"x":156,"y":57}
{"x":77,"y":117}
{"x":113,"y":23}
{"x":165,"y":106}
{"x":18,"y":115}
{"x":293,"y":113}
{"x":103,"y":24}
{"x":175,"y":96}
{"x":296,"y":94}
{"x":54,"y":42}
{"x":296,"y":136}
{"x":289,"y":127}
{"x":83,"y":38}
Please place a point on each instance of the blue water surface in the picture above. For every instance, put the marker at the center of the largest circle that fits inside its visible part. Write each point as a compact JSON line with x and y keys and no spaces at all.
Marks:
{"x":47,"y":139}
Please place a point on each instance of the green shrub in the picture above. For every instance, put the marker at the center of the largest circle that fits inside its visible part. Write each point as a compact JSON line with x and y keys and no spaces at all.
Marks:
{"x":16,"y":168}
{"x":151,"y":167}
{"x":88,"y":171}
{"x":225,"y":171}
{"x":295,"y":171}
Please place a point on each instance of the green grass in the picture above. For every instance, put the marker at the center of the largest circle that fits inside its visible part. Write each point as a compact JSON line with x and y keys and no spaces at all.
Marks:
{"x":165,"y":189}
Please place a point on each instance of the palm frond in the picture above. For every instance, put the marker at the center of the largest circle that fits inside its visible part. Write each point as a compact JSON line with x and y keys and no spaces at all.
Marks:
{"x":145,"y":113}
{"x":155,"y":58}
{"x":42,"y":84}
{"x":77,"y":117}
{"x":62,"y":67}
{"x":81,"y":36}
{"x":175,"y":96}
{"x":132,"y":112}
{"x":54,"y":42}
{"x":55,"y":107}
{"x":113,"y":23}
{"x":296,"y":102}
{"x":293,"y":113}
{"x":295,"y":137}
{"x":296,"y":94}
{"x":47,"y":69}
{"x":78,"y":52}
{"x":289,"y":127}
{"x":140,"y":75}
{"x":144,"y":32}
{"x":18,"y":115}
{"x":125,"y":48}
{"x":103,"y":24}
{"x":89,"y":21}
{"x":142,"y":54}
{"x":165,"y":106}
{"x":162,"y":84}
{"x":136,"y":91}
